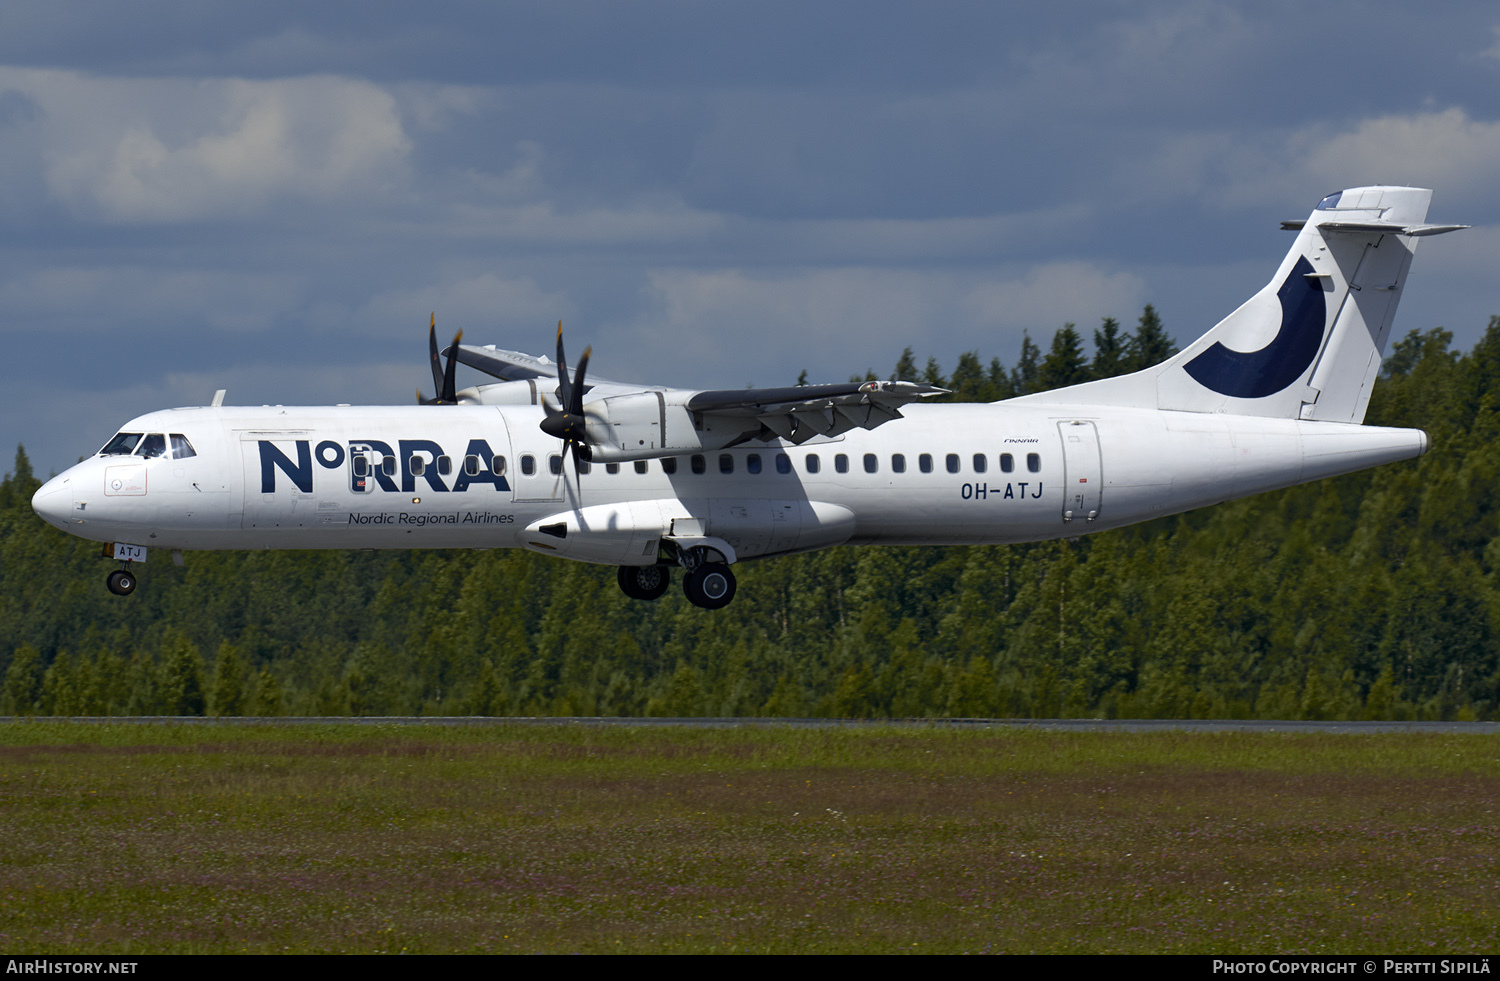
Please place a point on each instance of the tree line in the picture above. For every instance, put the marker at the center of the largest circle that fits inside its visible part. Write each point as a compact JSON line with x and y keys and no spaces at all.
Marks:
{"x":1371,"y":596}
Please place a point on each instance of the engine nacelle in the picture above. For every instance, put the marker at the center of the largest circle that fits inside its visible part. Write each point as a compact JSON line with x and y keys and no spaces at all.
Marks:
{"x":506,"y":393}
{"x":640,"y":426}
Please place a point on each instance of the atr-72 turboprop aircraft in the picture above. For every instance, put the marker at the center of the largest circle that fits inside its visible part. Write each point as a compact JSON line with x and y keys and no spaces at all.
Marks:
{"x":648,"y":478}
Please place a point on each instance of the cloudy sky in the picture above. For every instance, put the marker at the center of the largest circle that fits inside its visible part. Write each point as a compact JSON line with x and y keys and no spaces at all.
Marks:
{"x":272,"y":197}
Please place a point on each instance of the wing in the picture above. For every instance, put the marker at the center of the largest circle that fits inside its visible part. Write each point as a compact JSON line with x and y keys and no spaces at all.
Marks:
{"x":627,"y":422}
{"x":515,"y":366}
{"x":798,"y":414}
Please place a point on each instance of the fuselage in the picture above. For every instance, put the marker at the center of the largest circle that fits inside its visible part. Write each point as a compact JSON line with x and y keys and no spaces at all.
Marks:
{"x":357,"y":477}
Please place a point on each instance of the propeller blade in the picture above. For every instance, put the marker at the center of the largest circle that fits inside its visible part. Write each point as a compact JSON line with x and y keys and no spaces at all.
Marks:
{"x":432,"y":356}
{"x":449,"y":395}
{"x":442,"y":376}
{"x":567,"y":422}
{"x":576,"y":406}
{"x":564,"y":388}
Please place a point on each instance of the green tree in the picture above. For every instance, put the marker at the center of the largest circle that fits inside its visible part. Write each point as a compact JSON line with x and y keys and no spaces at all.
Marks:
{"x":1001,"y":385}
{"x":182,"y":677}
{"x":1026,"y":374}
{"x":23,"y":681}
{"x":1064,"y":364}
{"x":968,"y":381}
{"x":1150,"y":344}
{"x":267,"y":694}
{"x":1109,"y":350}
{"x":487,"y":697}
{"x":229,"y":681}
{"x":906,"y":367}
{"x":933,"y":374}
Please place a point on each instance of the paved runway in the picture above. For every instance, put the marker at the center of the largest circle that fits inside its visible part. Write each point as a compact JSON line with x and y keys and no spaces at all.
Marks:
{"x":1060,"y":725}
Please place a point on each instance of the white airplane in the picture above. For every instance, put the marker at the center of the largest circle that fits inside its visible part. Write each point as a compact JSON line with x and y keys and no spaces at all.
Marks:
{"x":647,"y":478}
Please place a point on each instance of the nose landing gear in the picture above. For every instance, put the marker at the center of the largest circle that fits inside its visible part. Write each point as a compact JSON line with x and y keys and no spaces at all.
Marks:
{"x":121,"y":582}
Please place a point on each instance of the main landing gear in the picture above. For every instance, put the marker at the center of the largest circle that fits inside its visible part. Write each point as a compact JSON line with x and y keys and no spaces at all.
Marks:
{"x":644,"y":582}
{"x":708,"y":584}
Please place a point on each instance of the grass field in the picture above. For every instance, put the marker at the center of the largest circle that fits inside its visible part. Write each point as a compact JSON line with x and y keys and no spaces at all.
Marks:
{"x":155,"y":839}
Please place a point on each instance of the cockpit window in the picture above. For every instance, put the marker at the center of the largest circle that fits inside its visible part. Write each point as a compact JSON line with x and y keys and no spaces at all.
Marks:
{"x":181,"y":448}
{"x":1330,"y":202}
{"x":154,"y":445}
{"x":121,"y":445}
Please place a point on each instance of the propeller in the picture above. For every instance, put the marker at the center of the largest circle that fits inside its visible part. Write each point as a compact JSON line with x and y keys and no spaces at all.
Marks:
{"x":568,"y":423}
{"x":442,"y":379}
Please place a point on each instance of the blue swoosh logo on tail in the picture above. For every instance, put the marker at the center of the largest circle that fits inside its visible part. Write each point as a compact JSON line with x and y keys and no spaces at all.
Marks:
{"x":1256,"y":374}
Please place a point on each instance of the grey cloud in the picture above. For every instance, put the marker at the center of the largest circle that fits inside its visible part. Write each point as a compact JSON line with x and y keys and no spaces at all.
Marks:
{"x":712,"y":194}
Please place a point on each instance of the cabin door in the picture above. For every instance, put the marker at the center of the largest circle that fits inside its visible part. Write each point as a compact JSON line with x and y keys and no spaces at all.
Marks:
{"x":1082,"y":478}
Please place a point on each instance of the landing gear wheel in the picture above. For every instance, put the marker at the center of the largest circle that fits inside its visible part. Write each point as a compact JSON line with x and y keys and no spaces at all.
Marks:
{"x":644,"y":582}
{"x":710,"y":586}
{"x":120,"y":582}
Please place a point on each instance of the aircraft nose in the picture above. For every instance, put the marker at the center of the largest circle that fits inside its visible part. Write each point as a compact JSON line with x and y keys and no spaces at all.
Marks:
{"x":53,"y":501}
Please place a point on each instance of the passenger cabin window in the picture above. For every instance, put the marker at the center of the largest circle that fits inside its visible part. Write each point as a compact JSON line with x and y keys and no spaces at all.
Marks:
{"x":153,"y":446}
{"x":812,"y":463}
{"x":1034,"y":462}
{"x":872,"y":463}
{"x":898,"y":463}
{"x":611,"y":468}
{"x":418,"y":466}
{"x":497,"y":465}
{"x":700,"y":465}
{"x":980,"y":462}
{"x":445,"y":465}
{"x":783,"y":463}
{"x":123,"y":444}
{"x":669,"y":464}
{"x":584,"y":467}
{"x":640,"y":466}
{"x":924,"y":463}
{"x":528,"y":465}
{"x":752,"y":463}
{"x":841,"y":462}
{"x":726,"y":463}
{"x":388,"y":464}
{"x":181,"y":448}
{"x":952,"y":462}
{"x":1007,"y":463}
{"x":554,"y":464}
{"x":471,"y":465}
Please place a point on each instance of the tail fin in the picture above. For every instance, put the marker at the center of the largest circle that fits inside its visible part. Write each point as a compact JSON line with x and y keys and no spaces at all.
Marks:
{"x":1308,"y":345}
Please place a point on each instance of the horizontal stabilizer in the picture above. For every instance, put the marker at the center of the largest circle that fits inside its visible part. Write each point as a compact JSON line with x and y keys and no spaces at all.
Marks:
{"x":1382,"y":227}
